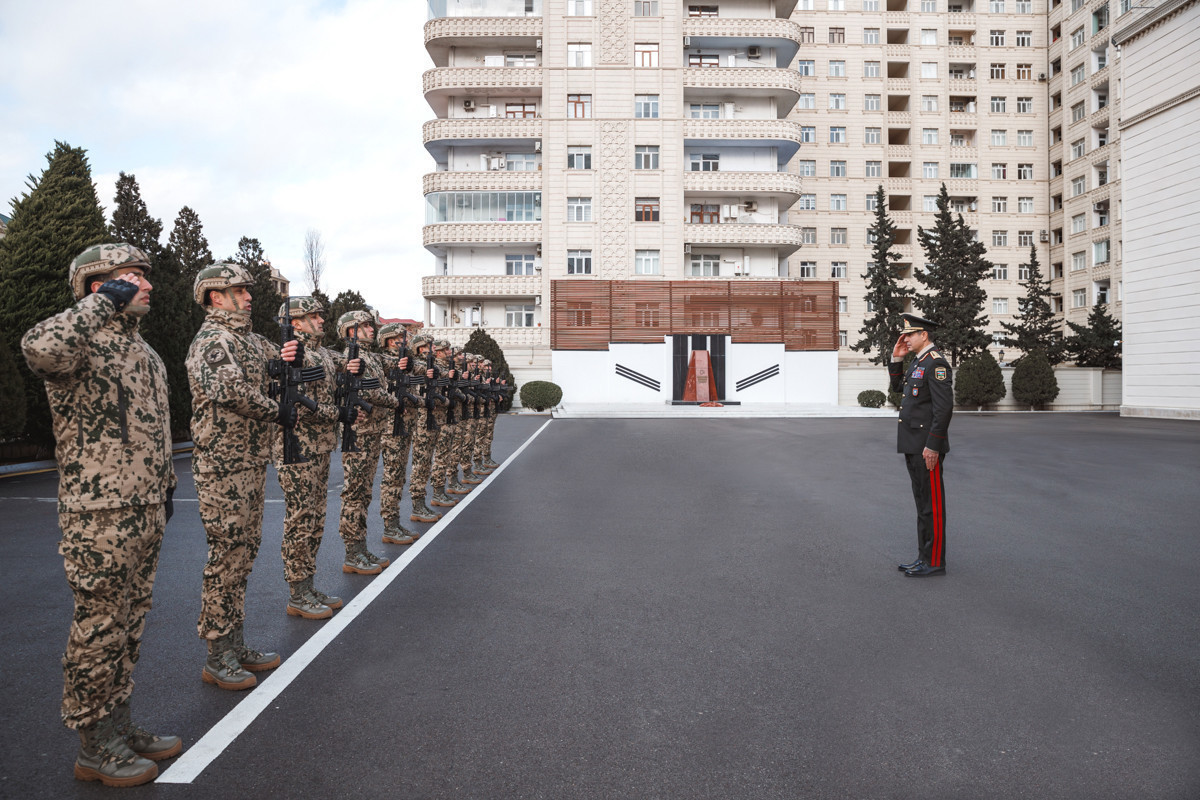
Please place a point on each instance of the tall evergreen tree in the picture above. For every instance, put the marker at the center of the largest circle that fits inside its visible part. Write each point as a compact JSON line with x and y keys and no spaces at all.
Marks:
{"x":348,"y":300}
{"x":189,"y":250}
{"x":53,"y":222}
{"x":12,"y":395}
{"x":482,"y":343}
{"x":884,"y":292}
{"x":1036,"y":327}
{"x":1098,"y":343}
{"x":955,"y":268}
{"x":264,"y":307}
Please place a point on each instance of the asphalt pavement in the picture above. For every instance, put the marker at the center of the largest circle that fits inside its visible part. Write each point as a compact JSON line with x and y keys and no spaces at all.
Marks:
{"x":692,"y":609}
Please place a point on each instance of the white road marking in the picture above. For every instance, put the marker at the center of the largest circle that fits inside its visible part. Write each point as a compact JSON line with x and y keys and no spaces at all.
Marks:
{"x":197,"y":757}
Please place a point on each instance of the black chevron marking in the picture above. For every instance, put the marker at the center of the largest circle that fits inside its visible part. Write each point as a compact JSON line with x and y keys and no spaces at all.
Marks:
{"x":637,"y":377}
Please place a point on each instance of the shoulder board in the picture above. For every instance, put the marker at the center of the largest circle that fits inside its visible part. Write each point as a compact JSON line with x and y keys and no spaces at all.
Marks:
{"x":934,"y":354}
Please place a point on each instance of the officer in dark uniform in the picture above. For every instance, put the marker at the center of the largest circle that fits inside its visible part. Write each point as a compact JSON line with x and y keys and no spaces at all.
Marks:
{"x":923,"y":436}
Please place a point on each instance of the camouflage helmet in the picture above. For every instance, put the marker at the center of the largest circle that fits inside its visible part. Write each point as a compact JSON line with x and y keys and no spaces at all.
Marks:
{"x":219,"y":276}
{"x":300,"y":306}
{"x":352,"y":318}
{"x":441,"y":344}
{"x":487,"y":362}
{"x":419,"y":339}
{"x":103,"y":259}
{"x":389,"y":331}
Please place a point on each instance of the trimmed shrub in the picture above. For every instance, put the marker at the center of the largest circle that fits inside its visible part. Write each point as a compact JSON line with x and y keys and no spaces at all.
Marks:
{"x":540,"y":395}
{"x":1033,"y":381}
{"x":979,"y":381}
{"x":871,"y":398}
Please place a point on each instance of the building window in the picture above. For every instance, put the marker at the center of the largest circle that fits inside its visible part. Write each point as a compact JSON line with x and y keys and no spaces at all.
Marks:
{"x":842,"y":340}
{"x":645,"y":54}
{"x":483,"y":207}
{"x":579,"y":157}
{"x":579,"y":8}
{"x":874,"y":169}
{"x":997,"y":71}
{"x":870,"y":102}
{"x":645,"y":106}
{"x":579,"y":209}
{"x":1077,"y":149}
{"x":518,"y":316}
{"x":807,"y":202}
{"x":870,"y":5}
{"x":579,"y":54}
{"x":1079,"y":223}
{"x":808,"y":269}
{"x":520,"y":60}
{"x":929,"y":69}
{"x":646,"y":262}
{"x":999,"y":138}
{"x":1024,"y":6}
{"x":929,"y":202}
{"x":929,"y":169}
{"x":871,"y":36}
{"x":806,"y":168}
{"x":999,"y":205}
{"x":999,"y":105}
{"x":837,"y":135}
{"x":1078,"y":112}
{"x":963,"y":170}
{"x":808,"y":35}
{"x":704,"y":111}
{"x":579,"y":106}
{"x":806,"y":68}
{"x":1025,"y":205}
{"x":928,"y":6}
{"x":929,"y":102}
{"x":645,"y":209}
{"x":704,"y":162}
{"x":843,"y":304}
{"x":837,"y":69}
{"x":1024,"y":138}
{"x":702,"y":11}
{"x":521,"y":162}
{"x":1077,"y":38}
{"x":871,"y":69}
{"x":808,"y":134}
{"x":645,"y":8}
{"x":872,"y":135}
{"x":520,"y":110}
{"x":705,"y":265}
{"x":837,"y":102}
{"x":837,"y":35}
{"x":645,"y":156}
{"x":837,"y":202}
{"x":1024,"y":238}
{"x":928,"y":36}
{"x":929,"y":136}
{"x":579,"y":262}
{"x":999,"y":172}
{"x":837,"y":235}
{"x":999,"y":272}
{"x":1024,"y":38}
{"x":1078,"y":261}
{"x":705,"y":213}
{"x":1100,"y":252}
{"x":1078,"y":186}
{"x":518,"y":263}
{"x":999,"y":238}
{"x":837,"y":270}
{"x":996,"y":6}
{"x":1023,"y":273}
{"x":837,"y":169}
{"x":1079,"y":298}
{"x":999,"y":305}
{"x":1078,"y":75}
{"x":704,"y":61}
{"x":837,"y":5}
{"x":808,"y":100}
{"x":808,"y":236}
{"x":1024,"y":72}
{"x":996,"y":38}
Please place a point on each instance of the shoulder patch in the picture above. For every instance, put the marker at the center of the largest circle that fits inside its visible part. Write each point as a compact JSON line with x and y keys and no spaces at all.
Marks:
{"x":940,"y":373}
{"x":216,"y":356}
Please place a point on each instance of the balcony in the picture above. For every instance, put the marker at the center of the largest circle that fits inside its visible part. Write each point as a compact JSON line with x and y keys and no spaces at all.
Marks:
{"x":720,"y":83}
{"x":716,"y":32}
{"x":899,"y":86}
{"x":505,"y":337}
{"x":963,"y":85}
{"x":961,"y":52}
{"x":782,"y":134}
{"x":434,"y":286}
{"x":491,"y":180}
{"x":785,"y":186}
{"x":441,"y":235}
{"x":441,"y":83}
{"x":498,"y":33}
{"x":440,"y":134}
{"x":785,"y":238}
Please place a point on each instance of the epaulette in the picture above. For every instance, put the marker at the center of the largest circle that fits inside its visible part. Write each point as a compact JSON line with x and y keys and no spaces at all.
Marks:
{"x":934,"y":354}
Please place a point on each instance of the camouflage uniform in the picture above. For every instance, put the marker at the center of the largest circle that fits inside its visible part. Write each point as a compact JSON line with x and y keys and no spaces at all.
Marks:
{"x":424,"y":440}
{"x":396,"y":449}
{"x":359,"y":468}
{"x":443,"y":448}
{"x":108,"y":398}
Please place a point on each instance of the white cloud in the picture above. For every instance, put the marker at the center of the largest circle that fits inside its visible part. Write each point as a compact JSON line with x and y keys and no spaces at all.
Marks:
{"x":266,"y":118}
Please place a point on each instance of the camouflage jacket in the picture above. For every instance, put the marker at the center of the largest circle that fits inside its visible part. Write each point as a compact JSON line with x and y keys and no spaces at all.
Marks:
{"x":383,"y":400}
{"x":316,"y":430}
{"x":108,"y":398}
{"x":233,"y":420}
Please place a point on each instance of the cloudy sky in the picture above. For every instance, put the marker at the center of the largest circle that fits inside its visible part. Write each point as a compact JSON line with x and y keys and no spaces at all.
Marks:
{"x":267,"y":117}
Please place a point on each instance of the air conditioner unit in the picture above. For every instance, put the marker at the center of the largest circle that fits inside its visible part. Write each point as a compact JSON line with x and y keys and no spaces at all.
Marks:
{"x":751,"y":206}
{"x":496,"y":164}
{"x":754,"y":52}
{"x":468,"y":105}
{"x":537,"y":146}
{"x":1099,"y":207}
{"x":687,"y":248}
{"x":973,"y":206}
{"x":539,"y":44}
{"x":687,"y":41}
{"x":1044,"y":236}
{"x":1042,"y":77}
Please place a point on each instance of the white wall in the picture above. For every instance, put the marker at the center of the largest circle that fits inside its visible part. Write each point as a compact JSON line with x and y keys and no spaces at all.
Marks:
{"x":744,"y":360}
{"x":1080,"y":388}
{"x":812,"y":376}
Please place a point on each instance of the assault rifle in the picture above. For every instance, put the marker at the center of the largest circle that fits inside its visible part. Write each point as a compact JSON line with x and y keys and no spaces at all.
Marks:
{"x":286,"y":379}
{"x":399,"y":382}
{"x":430,"y":395}
{"x":443,"y":382}
{"x":349,"y":386}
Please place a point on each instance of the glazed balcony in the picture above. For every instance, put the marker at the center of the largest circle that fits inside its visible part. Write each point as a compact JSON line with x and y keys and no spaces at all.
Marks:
{"x":497,"y":33}
{"x":784,"y":186}
{"x":485,"y":181}
{"x":442,"y":83}
{"x":716,"y":84}
{"x":438,"y":236}
{"x":782,"y":134}
{"x":489,"y":132}
{"x":721,"y":32}
{"x":786,"y":239}
{"x":436,"y":286}
{"x":477,"y":9}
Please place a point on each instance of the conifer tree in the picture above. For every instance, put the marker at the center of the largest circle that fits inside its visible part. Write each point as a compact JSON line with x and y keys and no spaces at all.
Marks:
{"x":348,"y":300}
{"x":265,"y":302}
{"x":1036,"y":327}
{"x":1097,"y":343}
{"x":481,"y":343}
{"x":1033,"y":381}
{"x":12,"y":395}
{"x":955,"y":267}
{"x":884,"y":291}
{"x":979,"y":382}
{"x":57,"y":219}
{"x":189,"y":251}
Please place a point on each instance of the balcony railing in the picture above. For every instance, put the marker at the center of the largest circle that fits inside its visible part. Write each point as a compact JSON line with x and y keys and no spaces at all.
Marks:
{"x":499,"y":32}
{"x":781,"y":34}
{"x":783,"y":84}
{"x":743,"y":183}
{"x":783,"y":134}
{"x":481,"y":285}
{"x":458,"y":130}
{"x":440,"y":83}
{"x":491,"y":180}
{"x":476,"y":9}
{"x":785,"y":238}
{"x":505,"y":337}
{"x":440,"y":235}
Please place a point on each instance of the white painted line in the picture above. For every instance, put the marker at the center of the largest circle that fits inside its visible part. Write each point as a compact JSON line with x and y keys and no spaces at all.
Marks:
{"x":197,"y":757}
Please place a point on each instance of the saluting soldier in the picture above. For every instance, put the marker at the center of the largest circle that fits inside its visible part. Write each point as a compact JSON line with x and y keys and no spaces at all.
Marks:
{"x":234,"y":424}
{"x":108,"y":400}
{"x":923,"y":436}
{"x":442,"y":451}
{"x":395,"y":447}
{"x":358,"y":481}
{"x":424,"y":435}
{"x":305,"y":485}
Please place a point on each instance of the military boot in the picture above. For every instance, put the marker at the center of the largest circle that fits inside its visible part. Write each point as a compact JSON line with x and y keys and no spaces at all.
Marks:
{"x":481,"y":469}
{"x":380,"y":561}
{"x":456,"y":487}
{"x":104,"y":756}
{"x":303,"y":604}
{"x":357,"y":561}
{"x":487,"y":462}
{"x":322,"y":598}
{"x":395,"y":533}
{"x":440,"y":498}
{"x":252,"y":660}
{"x":422,"y":512}
{"x":222,"y":667}
{"x":469,"y":477}
{"x":141,"y":741}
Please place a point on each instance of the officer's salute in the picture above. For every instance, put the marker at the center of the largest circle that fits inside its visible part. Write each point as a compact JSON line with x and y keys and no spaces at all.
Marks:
{"x":923,"y":436}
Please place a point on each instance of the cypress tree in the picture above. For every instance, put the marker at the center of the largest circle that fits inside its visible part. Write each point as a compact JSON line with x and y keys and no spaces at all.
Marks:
{"x":265,"y":302}
{"x":189,"y":251}
{"x":1098,"y":343}
{"x":481,"y":343}
{"x":1033,"y":381}
{"x":955,"y":267}
{"x":884,"y":291}
{"x":57,"y":219}
{"x":979,"y":382}
{"x":1036,"y":327}
{"x":12,"y":395}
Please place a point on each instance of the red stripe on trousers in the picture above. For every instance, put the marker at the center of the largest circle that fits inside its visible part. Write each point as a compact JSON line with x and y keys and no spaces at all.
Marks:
{"x":935,"y":488}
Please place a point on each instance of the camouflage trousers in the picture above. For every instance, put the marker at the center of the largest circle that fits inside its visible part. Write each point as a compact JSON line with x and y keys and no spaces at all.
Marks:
{"x":305,"y":492}
{"x":483,"y":440}
{"x":231,"y":508}
{"x":424,"y":443}
{"x":443,"y":452}
{"x":110,"y":557}
{"x":395,"y":465}
{"x":465,"y":442}
{"x":358,"y":483}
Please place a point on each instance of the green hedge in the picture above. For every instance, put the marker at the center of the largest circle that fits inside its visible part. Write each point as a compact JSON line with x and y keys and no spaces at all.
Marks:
{"x":540,"y":395}
{"x":871,"y":398}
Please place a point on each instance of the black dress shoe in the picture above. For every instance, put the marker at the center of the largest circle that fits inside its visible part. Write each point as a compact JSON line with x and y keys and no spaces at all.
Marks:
{"x":913,"y":565}
{"x":924,"y":571}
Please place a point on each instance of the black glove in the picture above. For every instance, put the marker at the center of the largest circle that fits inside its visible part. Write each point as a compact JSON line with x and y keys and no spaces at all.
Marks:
{"x":119,"y":291}
{"x":288,"y":416}
{"x":347,"y":415}
{"x":170,"y":503}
